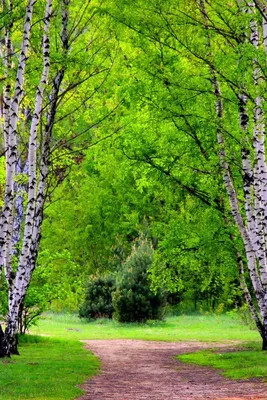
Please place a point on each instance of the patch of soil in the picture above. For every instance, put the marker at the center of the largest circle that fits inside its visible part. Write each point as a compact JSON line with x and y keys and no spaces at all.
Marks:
{"x":140,"y":370}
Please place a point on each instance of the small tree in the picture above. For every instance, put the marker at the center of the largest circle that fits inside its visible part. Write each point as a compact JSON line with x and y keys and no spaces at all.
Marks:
{"x":98,"y":299}
{"x":133,"y":299}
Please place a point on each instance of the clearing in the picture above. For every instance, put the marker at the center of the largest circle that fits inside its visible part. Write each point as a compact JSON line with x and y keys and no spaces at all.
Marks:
{"x":145,"y":370}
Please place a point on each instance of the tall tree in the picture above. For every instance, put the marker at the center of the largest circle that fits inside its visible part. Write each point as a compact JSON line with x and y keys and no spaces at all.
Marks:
{"x":60,"y":52}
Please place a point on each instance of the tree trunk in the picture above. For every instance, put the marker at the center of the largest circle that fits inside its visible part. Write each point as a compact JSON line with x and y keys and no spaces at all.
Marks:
{"x":21,"y":215}
{"x":264,"y":335}
{"x":18,"y":280}
{"x":252,"y":226}
{"x":9,"y":340}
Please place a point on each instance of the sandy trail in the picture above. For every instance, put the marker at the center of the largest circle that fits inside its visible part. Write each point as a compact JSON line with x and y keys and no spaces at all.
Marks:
{"x":141,"y":370}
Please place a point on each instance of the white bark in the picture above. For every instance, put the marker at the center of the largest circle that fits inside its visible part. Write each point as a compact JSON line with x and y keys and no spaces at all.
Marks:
{"x":36,"y":190}
{"x":250,"y":238}
{"x":11,"y":120}
{"x":248,"y":176}
{"x":40,"y":199}
{"x":24,"y":272}
{"x":33,"y":145}
{"x":260,"y":167}
{"x":260,"y":170}
{"x":37,"y":159}
{"x":6,"y":54}
{"x":19,"y":281}
{"x":248,"y":297}
{"x":11,"y":133}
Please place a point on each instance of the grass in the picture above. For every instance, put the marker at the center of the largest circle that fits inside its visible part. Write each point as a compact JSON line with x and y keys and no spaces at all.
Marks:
{"x":47,"y":369}
{"x":251,"y":363}
{"x":50,"y":368}
{"x":208,"y":328}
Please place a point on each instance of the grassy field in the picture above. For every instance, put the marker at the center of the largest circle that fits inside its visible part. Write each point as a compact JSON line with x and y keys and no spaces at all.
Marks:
{"x":47,"y":369}
{"x":208,"y":328}
{"x":51,"y":368}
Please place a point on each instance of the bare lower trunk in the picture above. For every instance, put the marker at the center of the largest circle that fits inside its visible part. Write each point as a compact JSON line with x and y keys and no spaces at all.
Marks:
{"x":8,"y":340}
{"x":264,"y":339}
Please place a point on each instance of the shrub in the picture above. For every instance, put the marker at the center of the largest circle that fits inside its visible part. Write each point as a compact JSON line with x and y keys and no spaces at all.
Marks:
{"x":133,"y":300}
{"x":98,"y":298}
{"x":35,"y":302}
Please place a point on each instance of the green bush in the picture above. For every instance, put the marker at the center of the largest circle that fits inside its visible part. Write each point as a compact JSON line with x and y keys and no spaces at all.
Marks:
{"x":35,"y":303}
{"x":133,"y":300}
{"x":98,"y":298}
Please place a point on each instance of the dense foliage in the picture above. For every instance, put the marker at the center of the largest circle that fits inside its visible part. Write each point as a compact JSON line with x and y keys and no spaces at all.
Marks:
{"x":98,"y":299}
{"x":133,"y":300}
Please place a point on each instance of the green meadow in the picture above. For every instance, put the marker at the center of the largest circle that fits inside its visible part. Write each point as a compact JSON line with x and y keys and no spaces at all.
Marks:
{"x":53,"y":362}
{"x":206,"y":328}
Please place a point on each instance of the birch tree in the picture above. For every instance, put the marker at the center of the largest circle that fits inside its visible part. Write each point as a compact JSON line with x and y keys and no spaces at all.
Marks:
{"x":252,"y":224}
{"x":56,"y":37}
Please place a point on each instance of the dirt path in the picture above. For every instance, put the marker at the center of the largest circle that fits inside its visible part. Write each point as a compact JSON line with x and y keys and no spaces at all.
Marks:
{"x":139,"y":370}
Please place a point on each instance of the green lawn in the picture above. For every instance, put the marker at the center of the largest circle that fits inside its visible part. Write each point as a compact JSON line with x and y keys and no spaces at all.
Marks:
{"x":251,"y":363}
{"x":47,"y":369}
{"x":208,"y":328}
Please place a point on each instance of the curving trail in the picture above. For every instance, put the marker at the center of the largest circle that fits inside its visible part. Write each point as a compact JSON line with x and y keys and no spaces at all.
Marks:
{"x":141,"y":370}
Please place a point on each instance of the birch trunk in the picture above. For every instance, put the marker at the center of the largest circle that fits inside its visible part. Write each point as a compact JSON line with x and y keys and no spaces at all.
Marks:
{"x":260,"y":186}
{"x":253,"y":227}
{"x":18,"y":281}
{"x":25,"y":226}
